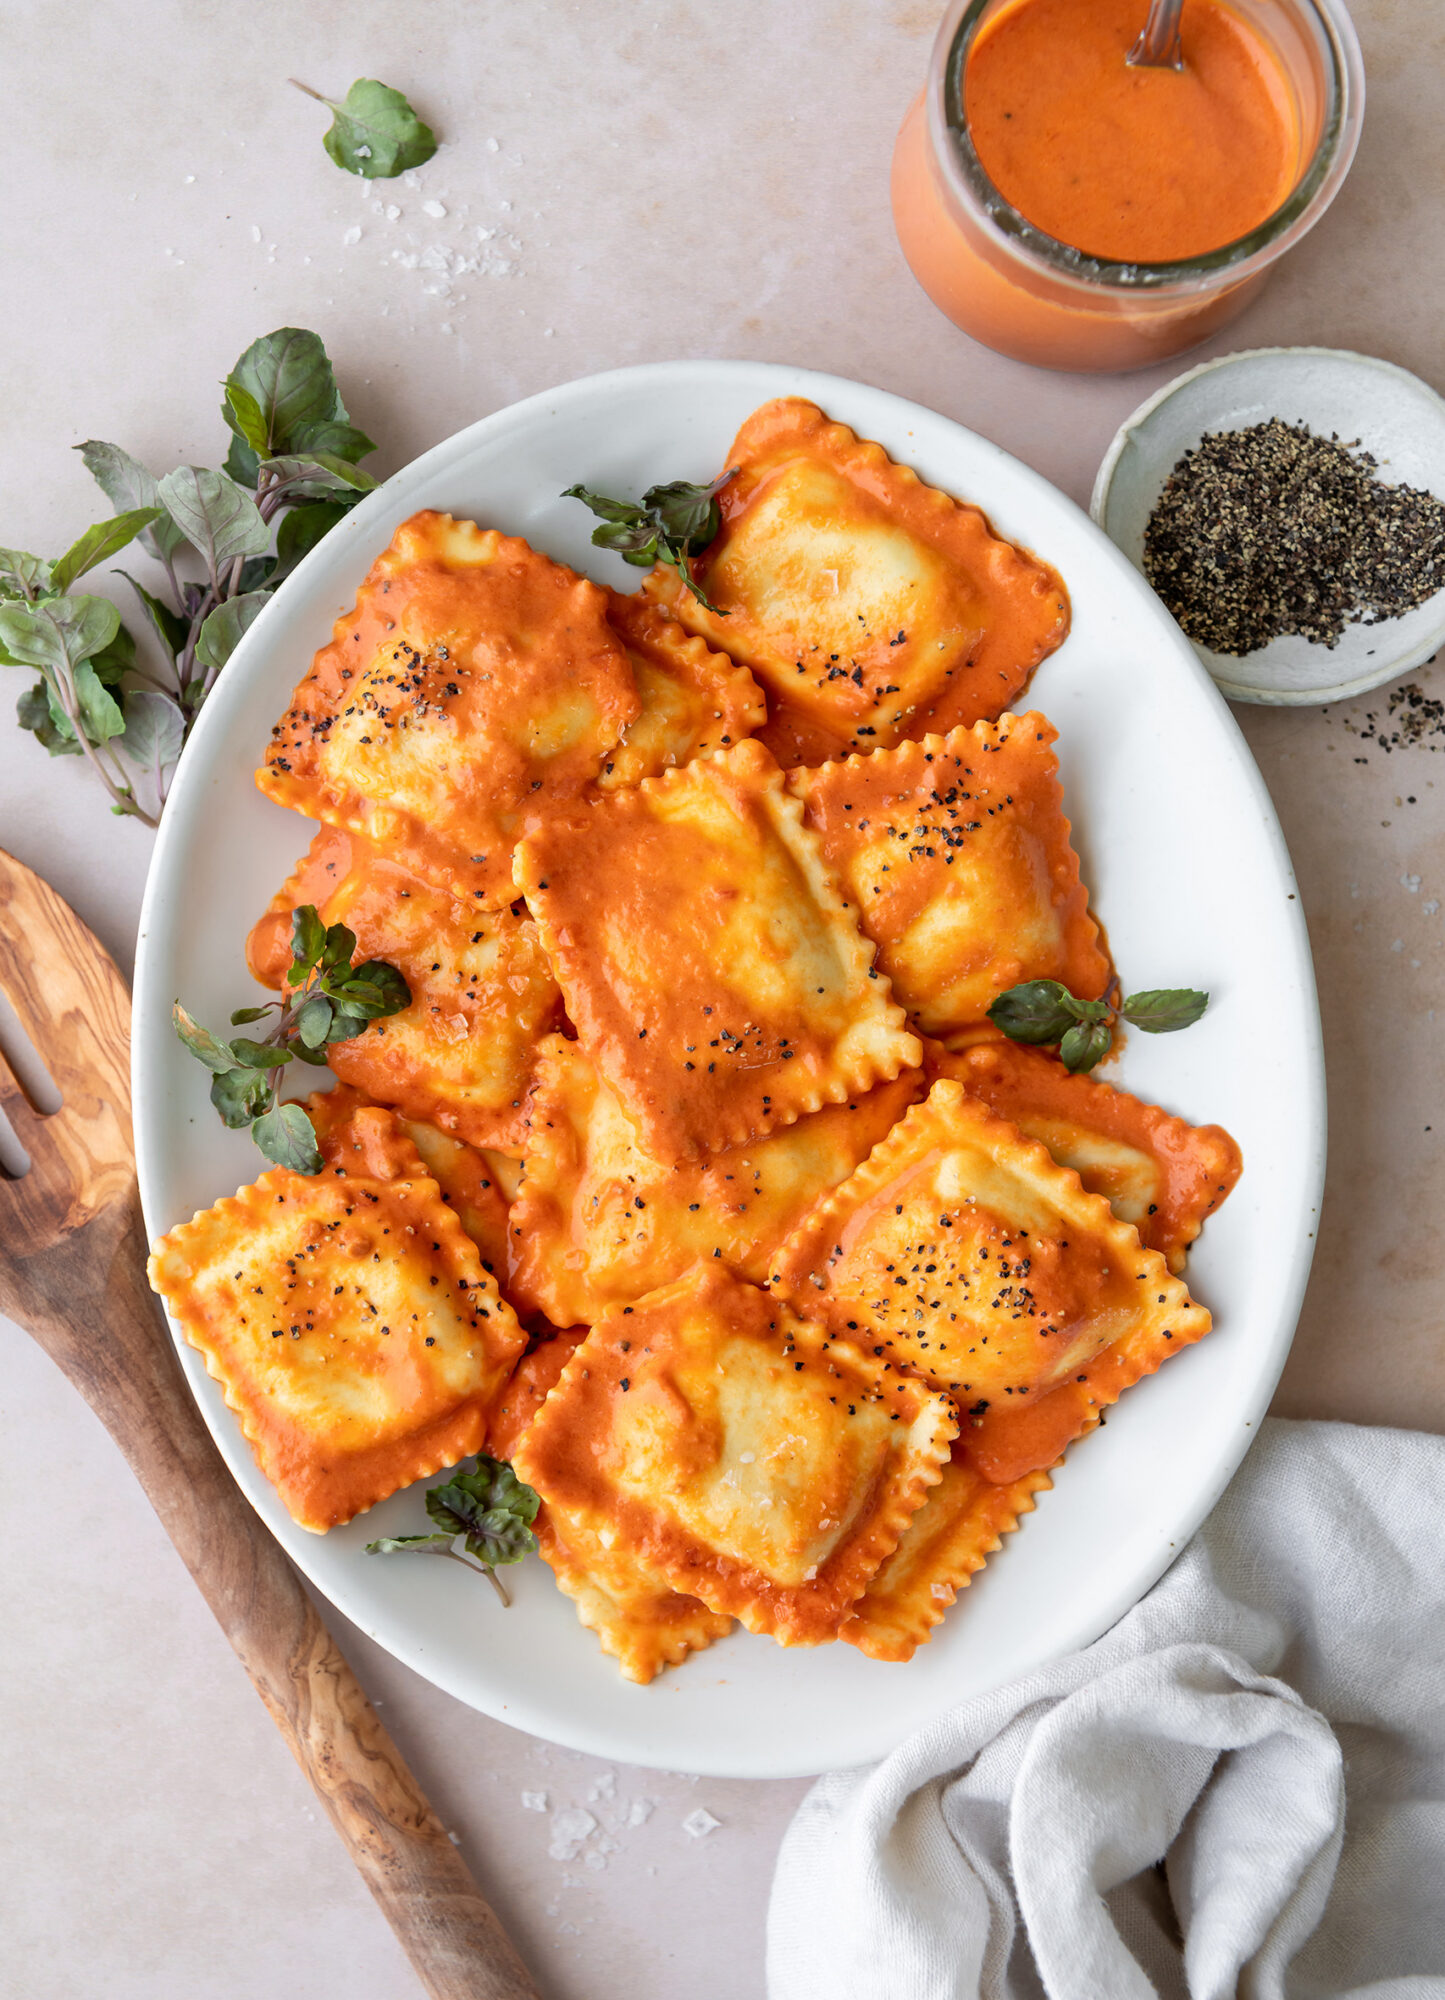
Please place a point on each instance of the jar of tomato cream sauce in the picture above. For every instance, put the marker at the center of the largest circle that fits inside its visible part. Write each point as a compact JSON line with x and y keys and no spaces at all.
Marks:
{"x":1073,"y":211}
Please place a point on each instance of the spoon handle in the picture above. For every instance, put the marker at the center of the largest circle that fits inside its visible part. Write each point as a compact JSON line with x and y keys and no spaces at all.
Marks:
{"x":1159,"y":46}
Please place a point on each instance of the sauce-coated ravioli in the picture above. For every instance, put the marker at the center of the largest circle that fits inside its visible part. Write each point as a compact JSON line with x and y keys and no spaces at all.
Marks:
{"x":716,"y":975}
{"x":639,"y":1619}
{"x":348,"y":1320}
{"x":956,"y":852}
{"x":737,"y":1452}
{"x":482,"y":993}
{"x":694,"y":701}
{"x":960,"y":1250}
{"x":475,"y":687}
{"x":1155,"y":1171}
{"x":870,"y":606}
{"x":598,"y":1221}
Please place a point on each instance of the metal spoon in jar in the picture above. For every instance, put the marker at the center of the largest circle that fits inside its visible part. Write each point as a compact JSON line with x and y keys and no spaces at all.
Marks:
{"x":1158,"y":47}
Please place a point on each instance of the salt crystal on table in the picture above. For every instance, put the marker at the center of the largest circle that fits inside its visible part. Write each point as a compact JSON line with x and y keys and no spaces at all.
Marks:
{"x":353,"y":235}
{"x":492,"y":146}
{"x":435,"y":209}
{"x":255,"y":233}
{"x":535,"y":1801}
{"x":392,"y":212}
{"x":569,"y":1830}
{"x":636,"y":1812}
{"x":700,"y":1822}
{"x":603,"y":1787}
{"x":597,"y":1861}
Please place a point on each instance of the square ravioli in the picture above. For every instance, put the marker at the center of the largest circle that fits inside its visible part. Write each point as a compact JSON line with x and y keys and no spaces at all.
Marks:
{"x":694,"y":701}
{"x":960,"y":1251}
{"x":948,"y":1541}
{"x":714,"y":971}
{"x":475,"y":686}
{"x":482,"y":993}
{"x":348,"y":1320}
{"x":1155,"y":1171}
{"x":640,"y":1621}
{"x":869,"y":605}
{"x":956,"y":852}
{"x":598,"y":1221}
{"x":751,"y":1461}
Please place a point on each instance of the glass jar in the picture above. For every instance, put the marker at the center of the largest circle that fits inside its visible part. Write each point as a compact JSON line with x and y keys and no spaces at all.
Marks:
{"x":1026,"y":294}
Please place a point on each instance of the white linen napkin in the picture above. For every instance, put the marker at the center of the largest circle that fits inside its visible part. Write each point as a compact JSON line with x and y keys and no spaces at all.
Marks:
{"x":1240,"y":1789}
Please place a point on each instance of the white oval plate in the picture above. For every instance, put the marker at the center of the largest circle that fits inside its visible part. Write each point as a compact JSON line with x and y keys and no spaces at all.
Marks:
{"x":1189,"y":871}
{"x":1391,"y":412}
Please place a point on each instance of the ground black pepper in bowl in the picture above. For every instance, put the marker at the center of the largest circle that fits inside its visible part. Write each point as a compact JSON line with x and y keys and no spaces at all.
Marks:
{"x":1273,"y":530}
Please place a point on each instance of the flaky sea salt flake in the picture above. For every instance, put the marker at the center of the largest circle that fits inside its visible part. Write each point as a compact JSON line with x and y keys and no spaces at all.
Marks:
{"x":700,"y":1823}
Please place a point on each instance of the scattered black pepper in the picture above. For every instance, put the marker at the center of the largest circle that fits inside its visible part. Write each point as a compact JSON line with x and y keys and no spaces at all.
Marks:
{"x":1272,"y":530}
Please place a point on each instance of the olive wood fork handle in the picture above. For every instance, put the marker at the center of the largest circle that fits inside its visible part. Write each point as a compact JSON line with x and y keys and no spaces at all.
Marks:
{"x":118,"y":1355}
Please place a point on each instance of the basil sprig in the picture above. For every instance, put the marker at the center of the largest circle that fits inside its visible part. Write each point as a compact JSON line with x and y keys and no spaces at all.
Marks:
{"x":291,"y":469}
{"x":669,"y":525}
{"x":490,"y":1509}
{"x":1044,"y":1010}
{"x":330,"y":1000}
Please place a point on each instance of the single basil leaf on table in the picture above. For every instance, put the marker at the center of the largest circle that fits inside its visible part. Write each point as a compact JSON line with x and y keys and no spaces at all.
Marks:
{"x":127,"y":484}
{"x":1164,"y":1009}
{"x":23,"y":575}
{"x":58,"y":633}
{"x":287,"y":1137}
{"x":288,"y":376}
{"x":241,"y":1096}
{"x":1085,"y":1044}
{"x":222,"y":632}
{"x":375,"y":132}
{"x":205,"y":1046}
{"x":1036,"y":1011}
{"x":155,"y":730}
{"x":308,"y":941}
{"x":215,"y":515}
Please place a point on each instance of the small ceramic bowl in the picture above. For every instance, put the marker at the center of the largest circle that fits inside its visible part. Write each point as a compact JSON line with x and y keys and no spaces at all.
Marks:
{"x":1394,"y":416}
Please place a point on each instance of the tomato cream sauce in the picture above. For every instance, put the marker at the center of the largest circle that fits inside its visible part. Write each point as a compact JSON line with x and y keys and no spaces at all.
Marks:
{"x":1134,"y":165}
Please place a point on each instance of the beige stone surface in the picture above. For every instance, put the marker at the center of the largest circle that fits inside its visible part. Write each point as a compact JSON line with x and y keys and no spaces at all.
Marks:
{"x":705,"y":179}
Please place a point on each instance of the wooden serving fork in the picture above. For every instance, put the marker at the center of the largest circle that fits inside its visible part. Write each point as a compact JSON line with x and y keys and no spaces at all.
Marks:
{"x":72,"y":1270}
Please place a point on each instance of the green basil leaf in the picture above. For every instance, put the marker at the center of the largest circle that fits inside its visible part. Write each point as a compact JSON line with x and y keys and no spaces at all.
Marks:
{"x":338,"y":950}
{"x":59,"y":632}
{"x":215,"y":516}
{"x":245,"y":418}
{"x":313,"y":1022}
{"x":308,"y":941}
{"x":309,"y":475}
{"x":246,"y":1054}
{"x":23,"y":575}
{"x":376,"y":133}
{"x":1164,"y":1009}
{"x":244,"y":1014}
{"x":36,"y":711}
{"x":202,"y":1044}
{"x":126,"y":483}
{"x":241,"y":463}
{"x":387,"y":992}
{"x":155,"y":731}
{"x":100,"y":713}
{"x":492,"y":1507}
{"x":685,"y":513}
{"x":391,"y":1545}
{"x":241,"y":1095}
{"x":301,"y":529}
{"x":316,"y":1057}
{"x":288,"y":1139}
{"x":1039,"y":1010}
{"x":336,"y":437}
{"x":610,"y":510}
{"x":171,"y":629}
{"x":1085,"y":1044}
{"x":106,"y":538}
{"x":220,"y":635}
{"x":289,"y":378}
{"x":636,"y":542}
{"x":115,"y":659}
